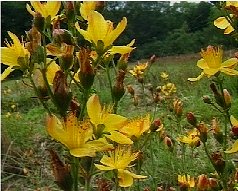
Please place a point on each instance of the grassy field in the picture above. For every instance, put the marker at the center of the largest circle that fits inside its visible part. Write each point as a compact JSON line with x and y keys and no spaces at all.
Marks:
{"x":25,"y":159}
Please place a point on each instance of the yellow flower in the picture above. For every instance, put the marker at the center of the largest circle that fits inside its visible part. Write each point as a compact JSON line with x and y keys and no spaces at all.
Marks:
{"x":105,"y":122}
{"x":223,"y":23}
{"x":100,"y":29}
{"x":139,"y":69}
{"x":136,"y":127}
{"x":164,"y":75}
{"x":234,"y":148}
{"x":76,"y":136}
{"x":168,"y":89}
{"x":185,"y":181}
{"x":86,"y":7}
{"x":192,"y":139}
{"x":211,"y":63}
{"x":119,"y":160}
{"x":49,"y":8}
{"x":122,"y":49}
{"x":15,"y":55}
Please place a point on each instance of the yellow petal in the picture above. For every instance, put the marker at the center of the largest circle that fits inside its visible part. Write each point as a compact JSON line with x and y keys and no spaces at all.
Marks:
{"x":197,"y":78}
{"x":229,"y":71}
{"x":52,"y":8}
{"x":83,"y":152}
{"x":125,"y":179}
{"x":108,"y":161}
{"x":202,"y":64}
{"x":94,"y":109}
{"x":221,"y":23}
{"x":9,"y":57}
{"x":210,"y":71}
{"x":134,"y":175}
{"x":229,"y":29}
{"x":86,"y":7}
{"x":28,"y":8}
{"x":119,"y":138}
{"x":102,"y":167}
{"x":87,"y":36}
{"x":234,"y":148}
{"x":51,"y":70}
{"x":116,"y":32}
{"x":114,"y":122}
{"x":121,"y":49}
{"x":6,"y":73}
{"x":230,"y":62}
{"x":234,"y":121}
{"x":38,"y":7}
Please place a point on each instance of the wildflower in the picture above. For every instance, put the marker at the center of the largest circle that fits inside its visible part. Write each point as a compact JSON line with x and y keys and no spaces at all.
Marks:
{"x":138,"y":70}
{"x":168,"y":89}
{"x":234,"y":148}
{"x":164,"y":75}
{"x":234,"y":123}
{"x":192,"y":139}
{"x":8,"y":114}
{"x":119,"y":160}
{"x":136,"y":127}
{"x":101,"y":32}
{"x":211,"y":63}
{"x":185,"y":182}
{"x":178,"y":107}
{"x":105,"y":122}
{"x":49,"y":8}
{"x":75,"y":135}
{"x":15,"y":55}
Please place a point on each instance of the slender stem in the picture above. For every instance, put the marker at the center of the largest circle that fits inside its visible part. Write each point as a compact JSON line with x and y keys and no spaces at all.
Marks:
{"x":109,"y":80}
{"x":75,"y":173}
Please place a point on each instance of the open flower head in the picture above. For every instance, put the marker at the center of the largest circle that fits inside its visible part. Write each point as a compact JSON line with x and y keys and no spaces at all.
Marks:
{"x":46,"y":9}
{"x":102,"y":30}
{"x":75,"y":135}
{"x":211,"y":63}
{"x":15,"y":55}
{"x":120,"y":159}
{"x":192,"y":138}
{"x":185,"y":181}
{"x":136,"y":127}
{"x":139,"y":69}
{"x":105,"y":123}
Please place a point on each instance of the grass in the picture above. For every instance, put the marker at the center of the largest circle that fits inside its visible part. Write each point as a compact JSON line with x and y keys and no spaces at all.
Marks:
{"x":25,"y":158}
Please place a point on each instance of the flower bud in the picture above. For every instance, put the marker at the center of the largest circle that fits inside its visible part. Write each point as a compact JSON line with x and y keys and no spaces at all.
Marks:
{"x":214,"y":185}
{"x":118,"y":90}
{"x":62,"y":36}
{"x":122,"y":62}
{"x":207,"y":99}
{"x":156,"y":125}
{"x":218,"y":161}
{"x":202,"y":182}
{"x":39,"y":22}
{"x":61,"y":172}
{"x":87,"y":73}
{"x":202,"y":128}
{"x":178,"y":107}
{"x":131,"y":90}
{"x":227,"y":99}
{"x":168,"y":142}
{"x":191,"y":119}
{"x":135,"y":100}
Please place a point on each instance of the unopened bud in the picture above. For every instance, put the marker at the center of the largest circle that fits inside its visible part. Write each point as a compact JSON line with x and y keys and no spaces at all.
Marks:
{"x":214,"y":185}
{"x":207,"y":99}
{"x":227,"y":99}
{"x":118,"y":90}
{"x":63,"y":36}
{"x":191,"y":119}
{"x":131,"y":90}
{"x":74,"y":106}
{"x":140,"y":80}
{"x":217,"y":95}
{"x":178,"y":107}
{"x":202,"y":182}
{"x":153,"y":59}
{"x":168,"y":142}
{"x":218,"y":161}
{"x":202,"y":128}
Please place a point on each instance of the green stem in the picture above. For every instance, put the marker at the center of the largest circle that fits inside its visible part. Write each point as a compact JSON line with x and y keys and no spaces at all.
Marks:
{"x":75,"y":173}
{"x":110,"y":81}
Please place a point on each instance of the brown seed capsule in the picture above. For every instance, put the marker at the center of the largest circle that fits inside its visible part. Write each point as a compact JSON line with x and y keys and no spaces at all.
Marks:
{"x":191,"y":119}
